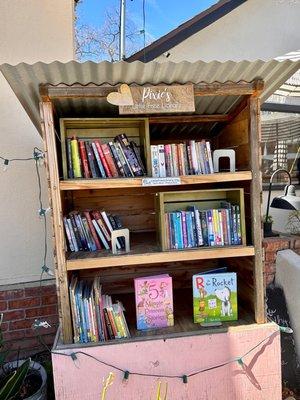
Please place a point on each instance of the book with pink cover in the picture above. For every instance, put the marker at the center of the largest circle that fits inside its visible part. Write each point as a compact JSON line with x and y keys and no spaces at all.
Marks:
{"x":154,"y":302}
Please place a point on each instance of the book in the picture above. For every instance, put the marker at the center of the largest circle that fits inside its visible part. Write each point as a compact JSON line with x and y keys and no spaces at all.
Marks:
{"x":103,"y":160}
{"x":84,"y":159}
{"x":76,"y":163}
{"x":161,"y":161}
{"x":154,"y":161}
{"x":109,"y":160}
{"x":69,"y":159}
{"x":137,"y":153}
{"x":129,"y":154}
{"x":98,"y":160}
{"x":215,"y":297}
{"x":91,"y":159}
{"x":154,"y":302}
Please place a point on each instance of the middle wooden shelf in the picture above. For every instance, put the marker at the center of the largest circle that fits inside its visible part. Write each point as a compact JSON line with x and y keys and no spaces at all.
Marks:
{"x":144,"y":250}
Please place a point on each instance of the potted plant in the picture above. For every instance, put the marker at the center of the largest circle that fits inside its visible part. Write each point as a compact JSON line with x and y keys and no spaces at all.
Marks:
{"x":268,"y":221}
{"x":21,"y":379}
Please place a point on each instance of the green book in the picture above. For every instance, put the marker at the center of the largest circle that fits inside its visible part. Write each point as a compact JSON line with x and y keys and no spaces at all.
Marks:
{"x":215,"y":297}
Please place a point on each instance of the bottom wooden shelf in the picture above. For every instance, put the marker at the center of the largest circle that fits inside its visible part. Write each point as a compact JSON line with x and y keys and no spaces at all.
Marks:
{"x":144,"y":250}
{"x":183,"y":318}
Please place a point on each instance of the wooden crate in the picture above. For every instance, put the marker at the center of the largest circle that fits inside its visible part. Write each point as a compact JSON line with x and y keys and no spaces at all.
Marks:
{"x":106,"y":129}
{"x":202,"y":199}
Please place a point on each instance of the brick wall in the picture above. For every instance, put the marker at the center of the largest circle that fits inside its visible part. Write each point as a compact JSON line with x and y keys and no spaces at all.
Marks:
{"x":20,"y":307}
{"x":271,"y":247}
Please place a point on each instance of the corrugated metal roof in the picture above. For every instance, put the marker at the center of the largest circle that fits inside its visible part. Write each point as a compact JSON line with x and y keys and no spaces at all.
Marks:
{"x":25,"y":80}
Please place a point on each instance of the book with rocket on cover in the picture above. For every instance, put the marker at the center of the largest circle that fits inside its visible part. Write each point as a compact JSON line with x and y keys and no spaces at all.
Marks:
{"x":154,"y":302}
{"x":215,"y":296}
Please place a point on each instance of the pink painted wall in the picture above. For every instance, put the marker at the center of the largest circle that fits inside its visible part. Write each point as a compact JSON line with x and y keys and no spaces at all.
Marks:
{"x":261,"y":378}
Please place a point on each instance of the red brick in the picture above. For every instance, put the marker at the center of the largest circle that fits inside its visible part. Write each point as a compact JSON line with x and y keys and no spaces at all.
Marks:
{"x":15,"y":335}
{"x":40,"y":291}
{"x":13,"y":315}
{"x":12,"y":294}
{"x":270,"y":256}
{"x":49,"y":331}
{"x":23,"y":324}
{"x":52,"y":299}
{"x":41,"y":311}
{"x":3,"y":305}
{"x":270,"y":268}
{"x":4,"y":326}
{"x":275,"y":244}
{"x":29,"y":343}
{"x":24,"y":303}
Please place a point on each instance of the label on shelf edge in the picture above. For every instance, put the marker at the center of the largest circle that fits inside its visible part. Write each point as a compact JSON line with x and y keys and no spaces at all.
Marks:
{"x":161,"y":181}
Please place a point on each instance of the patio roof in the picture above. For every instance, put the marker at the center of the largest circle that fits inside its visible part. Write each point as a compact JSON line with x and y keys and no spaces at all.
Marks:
{"x":26,"y":79}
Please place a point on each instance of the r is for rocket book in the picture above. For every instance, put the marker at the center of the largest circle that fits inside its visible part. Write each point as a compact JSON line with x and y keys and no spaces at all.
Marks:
{"x":154,"y":302}
{"x":215,"y":297}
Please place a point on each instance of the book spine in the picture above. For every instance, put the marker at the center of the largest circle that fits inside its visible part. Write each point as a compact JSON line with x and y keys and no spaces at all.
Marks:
{"x":225,"y":227}
{"x":174,"y":227}
{"x":194,"y":229}
{"x":109,"y":160}
{"x":100,"y":234}
{"x":189,"y":227}
{"x":137,"y":153}
{"x":98,"y":160}
{"x":124,"y":167}
{"x":172,"y":231}
{"x":205,"y":155}
{"x":84,"y":160}
{"x":103,"y":160}
{"x":216,"y":227}
{"x":181,"y":159}
{"x":154,"y":161}
{"x":179,"y":230}
{"x":90,"y":240}
{"x":204,"y":227}
{"x":91,"y":159}
{"x":234,"y":219}
{"x":209,"y":155}
{"x":168,"y":159}
{"x":174,"y":159}
{"x":75,"y":158}
{"x":84,"y":337}
{"x":115,"y":226}
{"x":228,"y":226}
{"x":185,"y":159}
{"x":239,"y":228}
{"x":116,"y":159}
{"x":81,"y":232}
{"x":109,"y":227}
{"x":168,"y":244}
{"x":161,"y":160}
{"x":108,"y":324}
{"x":184,"y":229}
{"x":69,"y":159}
{"x":211,"y":236}
{"x":221,"y":227}
{"x":76,"y":232}
{"x":68,"y":234}
{"x":92,"y":230}
{"x":198,"y":228}
{"x":190,"y":161}
{"x":199,"y":158}
{"x":194,"y":157}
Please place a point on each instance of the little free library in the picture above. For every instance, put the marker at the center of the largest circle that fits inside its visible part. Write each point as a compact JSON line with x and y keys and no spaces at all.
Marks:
{"x":155,"y":191}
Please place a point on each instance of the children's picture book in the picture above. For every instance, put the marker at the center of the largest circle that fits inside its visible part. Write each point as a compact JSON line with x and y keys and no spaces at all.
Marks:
{"x":215,"y":296}
{"x":154,"y":302}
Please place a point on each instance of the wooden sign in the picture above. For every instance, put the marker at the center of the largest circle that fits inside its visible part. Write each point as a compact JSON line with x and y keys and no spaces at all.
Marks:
{"x":160,"y":99}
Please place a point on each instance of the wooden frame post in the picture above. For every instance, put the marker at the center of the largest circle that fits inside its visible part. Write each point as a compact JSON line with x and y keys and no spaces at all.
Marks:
{"x":255,"y":200}
{"x":46,"y":110}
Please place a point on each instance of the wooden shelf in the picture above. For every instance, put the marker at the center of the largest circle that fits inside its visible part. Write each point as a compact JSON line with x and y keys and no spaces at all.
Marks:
{"x":115,"y":183}
{"x":144,"y":250}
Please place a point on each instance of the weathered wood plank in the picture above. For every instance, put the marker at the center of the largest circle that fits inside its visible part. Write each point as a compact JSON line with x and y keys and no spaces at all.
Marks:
{"x":60,"y":271}
{"x":188,"y":119}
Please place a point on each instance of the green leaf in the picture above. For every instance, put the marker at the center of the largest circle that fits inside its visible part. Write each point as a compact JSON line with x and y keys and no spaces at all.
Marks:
{"x":15,"y":382}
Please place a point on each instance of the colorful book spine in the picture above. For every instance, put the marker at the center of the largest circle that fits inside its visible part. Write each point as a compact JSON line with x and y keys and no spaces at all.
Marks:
{"x":155,"y":161}
{"x":103,"y":160}
{"x":91,"y":159}
{"x":109,"y":160}
{"x":69,"y":159}
{"x":75,"y":158}
{"x":161,"y":161}
{"x":84,"y":159}
{"x":168,"y":160}
{"x":98,"y":160}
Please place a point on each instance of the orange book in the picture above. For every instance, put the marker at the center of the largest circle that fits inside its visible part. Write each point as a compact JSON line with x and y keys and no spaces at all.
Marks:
{"x":109,"y":160}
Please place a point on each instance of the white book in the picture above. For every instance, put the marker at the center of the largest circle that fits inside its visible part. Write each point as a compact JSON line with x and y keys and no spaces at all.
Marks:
{"x":162,"y":161}
{"x":100,"y":234}
{"x":154,"y":161}
{"x":199,"y":158}
{"x":110,"y":228}
{"x":221,"y":227}
{"x":194,"y":157}
{"x":210,"y":162}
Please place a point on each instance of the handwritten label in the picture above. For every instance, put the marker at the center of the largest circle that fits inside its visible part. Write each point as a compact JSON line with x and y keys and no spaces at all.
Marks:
{"x":161,"y":181}
{"x":160,"y":99}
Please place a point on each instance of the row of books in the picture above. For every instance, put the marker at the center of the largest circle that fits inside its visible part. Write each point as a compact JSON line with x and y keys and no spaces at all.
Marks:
{"x":89,"y":158}
{"x":214,"y":227}
{"x":190,"y":158}
{"x":91,"y":230}
{"x":94,"y":315}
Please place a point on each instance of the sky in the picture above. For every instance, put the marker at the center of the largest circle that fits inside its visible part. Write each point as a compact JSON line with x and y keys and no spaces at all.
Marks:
{"x":161,"y":15}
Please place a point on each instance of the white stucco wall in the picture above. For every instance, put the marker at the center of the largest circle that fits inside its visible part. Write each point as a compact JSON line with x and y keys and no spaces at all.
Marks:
{"x":258,"y":29}
{"x":30,"y":31}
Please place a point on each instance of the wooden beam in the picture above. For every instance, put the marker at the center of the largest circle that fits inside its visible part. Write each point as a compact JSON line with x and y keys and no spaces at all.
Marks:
{"x":255,"y":201}
{"x":188,"y":119}
{"x":238,"y":109}
{"x":55,"y":204}
{"x":203,"y":89}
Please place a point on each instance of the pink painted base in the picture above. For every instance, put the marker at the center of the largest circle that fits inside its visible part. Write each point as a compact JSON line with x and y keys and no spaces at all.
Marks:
{"x":260,"y":378}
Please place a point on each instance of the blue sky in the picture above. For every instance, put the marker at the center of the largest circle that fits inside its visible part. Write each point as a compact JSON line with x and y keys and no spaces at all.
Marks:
{"x":161,"y":15}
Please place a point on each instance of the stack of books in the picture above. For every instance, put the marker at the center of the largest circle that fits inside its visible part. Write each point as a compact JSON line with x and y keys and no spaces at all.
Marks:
{"x":95,"y":317}
{"x":190,"y":158}
{"x":89,"y":158}
{"x":91,"y":230}
{"x":214,"y":227}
